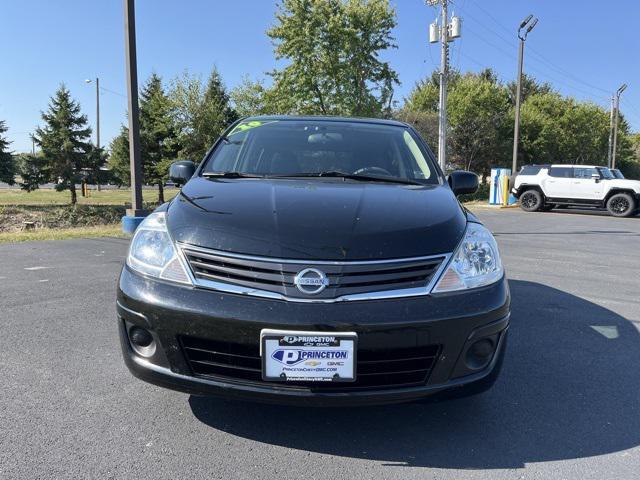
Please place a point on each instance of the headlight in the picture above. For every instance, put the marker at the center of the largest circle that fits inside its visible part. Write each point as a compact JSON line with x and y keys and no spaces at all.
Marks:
{"x":475,"y":263}
{"x":153,"y":253}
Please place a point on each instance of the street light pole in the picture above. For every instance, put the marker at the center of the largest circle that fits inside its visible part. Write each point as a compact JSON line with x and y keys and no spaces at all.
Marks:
{"x":97,"y":82}
{"x":610,"y":149}
{"x":531,"y":22}
{"x":615,"y":124}
{"x":136,"y":213}
{"x":97,"y":112}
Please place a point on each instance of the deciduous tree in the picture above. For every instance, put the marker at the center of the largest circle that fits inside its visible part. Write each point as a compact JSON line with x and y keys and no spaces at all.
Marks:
{"x":332,"y":48}
{"x":251,"y":97}
{"x":478,"y":113}
{"x":557,"y":129}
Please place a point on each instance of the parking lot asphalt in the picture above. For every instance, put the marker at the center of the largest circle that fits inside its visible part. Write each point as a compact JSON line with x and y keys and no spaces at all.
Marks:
{"x":567,"y":405}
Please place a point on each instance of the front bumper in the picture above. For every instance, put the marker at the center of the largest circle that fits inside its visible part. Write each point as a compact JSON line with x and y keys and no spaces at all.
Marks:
{"x":453,"y":321}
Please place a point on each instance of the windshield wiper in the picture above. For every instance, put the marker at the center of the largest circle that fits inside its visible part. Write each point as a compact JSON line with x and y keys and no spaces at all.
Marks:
{"x":230,"y":175}
{"x":352,"y":176}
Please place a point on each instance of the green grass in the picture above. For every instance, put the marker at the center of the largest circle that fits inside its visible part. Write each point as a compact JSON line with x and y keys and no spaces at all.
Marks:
{"x":62,"y":234}
{"x":15,"y":196}
{"x":55,"y":218}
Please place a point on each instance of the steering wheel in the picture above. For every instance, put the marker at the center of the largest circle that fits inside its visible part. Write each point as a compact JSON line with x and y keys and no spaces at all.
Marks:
{"x":374,"y":170}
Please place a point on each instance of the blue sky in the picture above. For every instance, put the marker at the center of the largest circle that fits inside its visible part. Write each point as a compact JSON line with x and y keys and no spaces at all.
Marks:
{"x":584,"y":48}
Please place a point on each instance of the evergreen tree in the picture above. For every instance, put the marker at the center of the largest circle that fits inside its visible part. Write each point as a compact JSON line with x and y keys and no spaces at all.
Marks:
{"x":529,"y":86}
{"x":119,"y":158}
{"x":217,"y":113}
{"x":158,"y":135}
{"x":202,"y":113}
{"x":64,"y":142}
{"x":7,"y":163}
{"x":33,"y":169}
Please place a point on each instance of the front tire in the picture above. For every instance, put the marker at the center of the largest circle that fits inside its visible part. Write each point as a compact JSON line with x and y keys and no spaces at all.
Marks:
{"x":621,"y":205}
{"x":531,"y":201}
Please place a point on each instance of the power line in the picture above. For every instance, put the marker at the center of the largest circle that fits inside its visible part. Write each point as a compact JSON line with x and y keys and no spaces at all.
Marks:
{"x":566,"y":73}
{"x":590,"y":95}
{"x":540,"y":58}
{"x":508,"y":54}
{"x":634,"y":113}
{"x":112,"y":91}
{"x":480,"y":64}
{"x":493,"y":18}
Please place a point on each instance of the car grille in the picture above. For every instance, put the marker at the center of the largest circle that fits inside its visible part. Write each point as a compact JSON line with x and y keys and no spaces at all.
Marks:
{"x":392,"y":368}
{"x":277,"y":276}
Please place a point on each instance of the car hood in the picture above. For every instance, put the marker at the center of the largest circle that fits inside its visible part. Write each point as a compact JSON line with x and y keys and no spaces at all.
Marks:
{"x":625,"y":183}
{"x":317,"y":219}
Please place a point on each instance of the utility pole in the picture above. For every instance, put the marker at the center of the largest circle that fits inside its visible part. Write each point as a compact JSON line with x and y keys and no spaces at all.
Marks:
{"x":531,"y":22}
{"x":444,"y":74}
{"x":136,"y":212}
{"x":88,"y":80}
{"x":444,"y":34}
{"x":615,"y":124}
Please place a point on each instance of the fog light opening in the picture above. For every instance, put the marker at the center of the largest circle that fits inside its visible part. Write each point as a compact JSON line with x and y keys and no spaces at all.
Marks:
{"x":480,"y":353}
{"x":142,"y":341}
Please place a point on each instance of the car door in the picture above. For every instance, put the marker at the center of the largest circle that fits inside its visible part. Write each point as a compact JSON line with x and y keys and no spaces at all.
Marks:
{"x":558,"y":182}
{"x":587,"y":184}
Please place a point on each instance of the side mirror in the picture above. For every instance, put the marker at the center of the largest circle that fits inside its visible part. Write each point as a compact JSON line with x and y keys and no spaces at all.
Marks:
{"x":596,"y":177}
{"x":181,"y":172}
{"x":462,"y":182}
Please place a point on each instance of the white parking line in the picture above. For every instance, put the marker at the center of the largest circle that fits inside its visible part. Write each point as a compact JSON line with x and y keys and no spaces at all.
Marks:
{"x":35,"y":268}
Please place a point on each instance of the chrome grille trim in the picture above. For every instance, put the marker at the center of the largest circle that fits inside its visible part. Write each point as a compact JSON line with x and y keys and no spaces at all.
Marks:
{"x":400,"y":367}
{"x":214,"y":283}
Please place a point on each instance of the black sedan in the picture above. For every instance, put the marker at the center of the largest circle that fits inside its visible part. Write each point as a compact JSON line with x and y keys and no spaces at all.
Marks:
{"x":315,"y":261}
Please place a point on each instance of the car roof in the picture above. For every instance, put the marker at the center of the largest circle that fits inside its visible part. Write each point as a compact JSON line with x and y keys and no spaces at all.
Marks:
{"x":564,"y":165}
{"x":575,"y":166}
{"x":326,"y":118}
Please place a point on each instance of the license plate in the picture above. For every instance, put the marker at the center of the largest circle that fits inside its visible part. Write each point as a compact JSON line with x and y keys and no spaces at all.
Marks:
{"x":289,"y":356}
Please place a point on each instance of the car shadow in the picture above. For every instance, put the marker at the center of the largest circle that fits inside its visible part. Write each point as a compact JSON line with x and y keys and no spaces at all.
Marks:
{"x":569,"y":389}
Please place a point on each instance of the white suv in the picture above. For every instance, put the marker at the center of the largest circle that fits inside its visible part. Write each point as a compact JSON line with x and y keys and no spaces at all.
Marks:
{"x":543,"y":187}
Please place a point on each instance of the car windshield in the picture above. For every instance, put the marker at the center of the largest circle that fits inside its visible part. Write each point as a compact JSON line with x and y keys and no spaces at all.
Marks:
{"x":315,"y":148}
{"x":606,"y":173}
